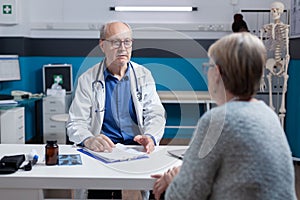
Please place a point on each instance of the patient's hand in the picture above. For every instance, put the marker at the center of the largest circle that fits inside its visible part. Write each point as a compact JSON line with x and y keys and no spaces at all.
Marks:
{"x":163,"y":181}
{"x":99,"y":143}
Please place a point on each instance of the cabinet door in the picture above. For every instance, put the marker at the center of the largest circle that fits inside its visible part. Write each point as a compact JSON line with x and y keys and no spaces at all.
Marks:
{"x":54,"y":130}
{"x":12,"y":126}
{"x":59,"y":137}
{"x":53,"y":126}
{"x":54,"y":105}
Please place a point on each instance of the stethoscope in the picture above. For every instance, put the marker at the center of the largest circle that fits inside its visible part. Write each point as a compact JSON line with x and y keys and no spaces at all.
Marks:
{"x":98,"y":88}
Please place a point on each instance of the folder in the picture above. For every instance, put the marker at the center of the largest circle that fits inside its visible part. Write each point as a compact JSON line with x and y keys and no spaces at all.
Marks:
{"x":119,"y":153}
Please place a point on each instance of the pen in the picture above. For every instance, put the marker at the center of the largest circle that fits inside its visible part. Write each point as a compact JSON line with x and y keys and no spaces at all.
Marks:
{"x":34,"y":159}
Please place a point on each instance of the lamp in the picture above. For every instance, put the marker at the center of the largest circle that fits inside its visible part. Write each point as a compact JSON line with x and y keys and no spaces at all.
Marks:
{"x":153,"y":8}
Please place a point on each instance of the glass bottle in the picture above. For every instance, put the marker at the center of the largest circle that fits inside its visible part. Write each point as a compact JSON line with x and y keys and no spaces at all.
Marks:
{"x":51,"y":150}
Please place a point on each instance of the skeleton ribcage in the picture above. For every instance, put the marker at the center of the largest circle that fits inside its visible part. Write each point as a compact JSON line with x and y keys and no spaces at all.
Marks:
{"x":275,"y":40}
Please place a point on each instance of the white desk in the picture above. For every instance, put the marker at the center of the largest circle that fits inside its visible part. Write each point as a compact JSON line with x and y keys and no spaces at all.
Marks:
{"x":92,"y":174}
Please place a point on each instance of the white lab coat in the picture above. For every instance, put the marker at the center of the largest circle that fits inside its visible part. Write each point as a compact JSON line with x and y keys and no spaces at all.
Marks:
{"x":84,"y":122}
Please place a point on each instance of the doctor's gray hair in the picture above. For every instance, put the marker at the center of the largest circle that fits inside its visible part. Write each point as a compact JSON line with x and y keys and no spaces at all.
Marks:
{"x":104,"y":27}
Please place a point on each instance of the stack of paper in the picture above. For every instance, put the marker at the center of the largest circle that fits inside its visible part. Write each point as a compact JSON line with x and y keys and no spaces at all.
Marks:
{"x":119,"y":153}
{"x":8,"y":102}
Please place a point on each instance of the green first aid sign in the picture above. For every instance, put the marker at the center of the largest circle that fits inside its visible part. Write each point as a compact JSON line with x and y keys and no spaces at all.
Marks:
{"x":58,"y":79}
{"x":7,"y":9}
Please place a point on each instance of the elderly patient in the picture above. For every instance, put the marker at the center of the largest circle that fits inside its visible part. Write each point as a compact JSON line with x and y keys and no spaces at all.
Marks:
{"x":239,"y":149}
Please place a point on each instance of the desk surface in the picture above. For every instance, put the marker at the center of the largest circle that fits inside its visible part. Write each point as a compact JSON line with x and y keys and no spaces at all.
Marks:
{"x":92,"y":174}
{"x":18,"y":102}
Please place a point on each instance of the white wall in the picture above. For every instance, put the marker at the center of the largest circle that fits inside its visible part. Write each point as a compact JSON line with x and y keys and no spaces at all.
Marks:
{"x":82,"y":18}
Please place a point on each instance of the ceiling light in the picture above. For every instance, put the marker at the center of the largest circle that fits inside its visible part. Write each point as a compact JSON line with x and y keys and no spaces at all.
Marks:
{"x":153,"y":8}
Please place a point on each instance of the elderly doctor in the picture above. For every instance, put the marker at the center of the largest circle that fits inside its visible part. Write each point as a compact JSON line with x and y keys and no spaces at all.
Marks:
{"x":116,"y":100}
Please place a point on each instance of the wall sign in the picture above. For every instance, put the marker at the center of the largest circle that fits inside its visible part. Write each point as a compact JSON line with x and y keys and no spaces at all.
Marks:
{"x":8,"y":13}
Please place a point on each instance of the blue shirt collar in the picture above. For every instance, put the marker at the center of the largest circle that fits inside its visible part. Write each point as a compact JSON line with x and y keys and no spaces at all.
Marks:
{"x":107,"y":73}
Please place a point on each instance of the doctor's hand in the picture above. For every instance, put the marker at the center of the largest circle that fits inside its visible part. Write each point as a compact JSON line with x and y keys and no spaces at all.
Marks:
{"x":163,"y":181}
{"x":146,"y":141}
{"x":99,"y":143}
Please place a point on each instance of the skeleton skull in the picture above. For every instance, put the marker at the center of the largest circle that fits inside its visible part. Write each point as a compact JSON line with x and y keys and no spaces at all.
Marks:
{"x":277,"y":9}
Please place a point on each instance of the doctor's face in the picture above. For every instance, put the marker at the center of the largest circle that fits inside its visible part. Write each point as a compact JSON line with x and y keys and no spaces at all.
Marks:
{"x":117,"y":45}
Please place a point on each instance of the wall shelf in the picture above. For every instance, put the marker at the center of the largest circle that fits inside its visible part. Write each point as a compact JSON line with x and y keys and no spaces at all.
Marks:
{"x":183,"y":112}
{"x":184,"y":97}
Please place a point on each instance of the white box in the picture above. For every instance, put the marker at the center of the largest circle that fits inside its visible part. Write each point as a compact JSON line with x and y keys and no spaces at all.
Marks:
{"x":8,"y":12}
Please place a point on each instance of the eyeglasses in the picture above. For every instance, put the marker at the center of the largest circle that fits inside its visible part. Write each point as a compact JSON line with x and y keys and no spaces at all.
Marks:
{"x":117,"y":43}
{"x":207,"y":66}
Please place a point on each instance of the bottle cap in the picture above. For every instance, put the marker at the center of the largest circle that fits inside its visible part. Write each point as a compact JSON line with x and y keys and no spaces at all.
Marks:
{"x":51,"y":141}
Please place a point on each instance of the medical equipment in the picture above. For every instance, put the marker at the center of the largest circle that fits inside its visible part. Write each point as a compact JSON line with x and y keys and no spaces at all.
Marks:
{"x":98,"y":89}
{"x":98,"y":86}
{"x":276,"y":38}
{"x":60,"y":74}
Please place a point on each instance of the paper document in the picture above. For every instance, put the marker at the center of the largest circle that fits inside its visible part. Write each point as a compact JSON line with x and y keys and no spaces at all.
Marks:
{"x":119,"y":153}
{"x":8,"y":102}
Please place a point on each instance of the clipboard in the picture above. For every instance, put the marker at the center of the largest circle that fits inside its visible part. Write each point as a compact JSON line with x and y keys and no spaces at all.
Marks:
{"x":120,"y":153}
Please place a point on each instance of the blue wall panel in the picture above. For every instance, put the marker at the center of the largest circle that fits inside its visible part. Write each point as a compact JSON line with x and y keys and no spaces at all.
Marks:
{"x":292,"y":127}
{"x":169,"y":74}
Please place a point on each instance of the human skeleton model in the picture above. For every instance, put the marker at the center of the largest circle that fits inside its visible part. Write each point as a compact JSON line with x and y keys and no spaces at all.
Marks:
{"x":276,"y":39}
